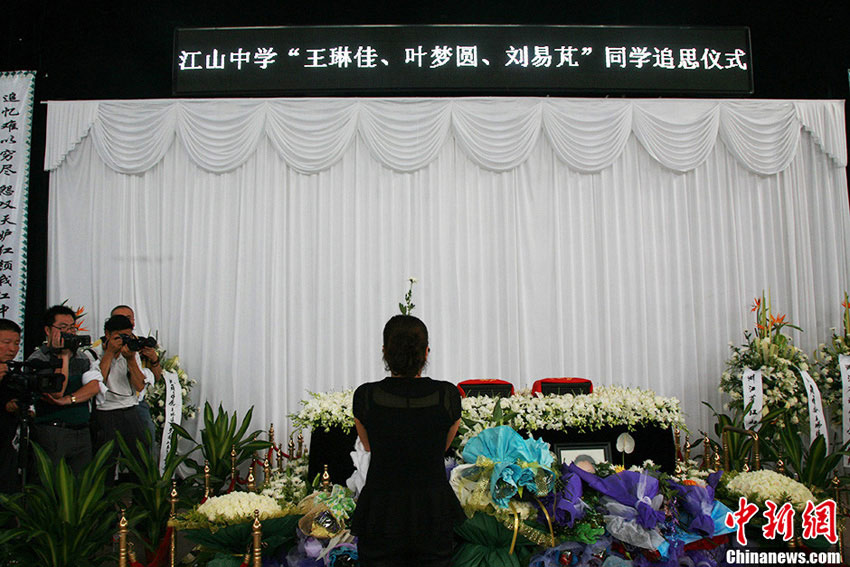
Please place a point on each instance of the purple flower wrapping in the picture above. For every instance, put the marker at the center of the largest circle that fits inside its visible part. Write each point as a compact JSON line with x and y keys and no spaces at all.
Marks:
{"x":565,"y":506}
{"x":629,"y":488}
{"x":697,"y":503}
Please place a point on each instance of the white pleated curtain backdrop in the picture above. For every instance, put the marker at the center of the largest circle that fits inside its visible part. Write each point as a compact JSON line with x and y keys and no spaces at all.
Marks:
{"x":268,"y":240}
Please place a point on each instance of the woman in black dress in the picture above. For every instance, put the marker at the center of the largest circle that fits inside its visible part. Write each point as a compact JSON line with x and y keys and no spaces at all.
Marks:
{"x":407,"y":511}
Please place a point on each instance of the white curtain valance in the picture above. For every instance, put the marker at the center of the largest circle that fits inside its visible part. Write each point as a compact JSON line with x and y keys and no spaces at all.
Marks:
{"x":497,"y":134}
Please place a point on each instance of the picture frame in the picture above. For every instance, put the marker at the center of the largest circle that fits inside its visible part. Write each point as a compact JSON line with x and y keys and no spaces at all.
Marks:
{"x":597,"y":452}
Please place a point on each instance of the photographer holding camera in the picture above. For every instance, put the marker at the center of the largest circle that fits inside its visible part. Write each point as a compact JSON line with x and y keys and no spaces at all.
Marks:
{"x":150,"y":360}
{"x":121,"y":369}
{"x":10,"y":343}
{"x":61,"y":423}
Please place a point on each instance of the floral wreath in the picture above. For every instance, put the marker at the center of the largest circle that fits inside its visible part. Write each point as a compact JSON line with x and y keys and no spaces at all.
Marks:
{"x":829,"y":375}
{"x":772,"y":352}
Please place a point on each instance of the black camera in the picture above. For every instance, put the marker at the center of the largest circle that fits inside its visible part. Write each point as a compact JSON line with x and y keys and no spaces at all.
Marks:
{"x":34,"y":377}
{"x":73,"y":342}
{"x":136,"y":344}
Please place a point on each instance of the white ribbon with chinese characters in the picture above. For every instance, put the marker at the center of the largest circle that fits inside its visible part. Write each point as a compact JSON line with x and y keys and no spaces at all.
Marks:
{"x":753,"y":389}
{"x":16,"y":110}
{"x":817,"y":421}
{"x":173,"y":414}
{"x":844,"y":369}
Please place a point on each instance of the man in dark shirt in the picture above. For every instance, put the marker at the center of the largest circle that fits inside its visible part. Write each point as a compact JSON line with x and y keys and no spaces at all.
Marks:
{"x":10,"y":343}
{"x":61,"y":423}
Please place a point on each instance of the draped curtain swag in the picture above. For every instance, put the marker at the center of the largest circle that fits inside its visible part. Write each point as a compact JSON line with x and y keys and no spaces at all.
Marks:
{"x":267,"y":240}
{"x":406,"y":135}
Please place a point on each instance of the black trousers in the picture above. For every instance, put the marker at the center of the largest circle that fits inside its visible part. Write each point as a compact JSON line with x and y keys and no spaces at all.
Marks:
{"x":128,"y":422}
{"x":434,"y":550}
{"x":73,"y":445}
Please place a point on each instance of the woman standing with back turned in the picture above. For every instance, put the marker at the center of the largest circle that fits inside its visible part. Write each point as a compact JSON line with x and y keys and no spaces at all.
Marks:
{"x":407,"y":511}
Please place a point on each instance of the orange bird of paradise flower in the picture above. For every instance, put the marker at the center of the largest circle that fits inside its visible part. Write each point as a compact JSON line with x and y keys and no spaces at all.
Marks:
{"x":78,"y":323}
{"x":775,"y":321}
{"x":756,"y":304}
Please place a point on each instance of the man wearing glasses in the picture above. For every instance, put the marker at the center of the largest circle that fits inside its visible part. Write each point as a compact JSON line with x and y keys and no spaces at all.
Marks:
{"x":61,"y":423}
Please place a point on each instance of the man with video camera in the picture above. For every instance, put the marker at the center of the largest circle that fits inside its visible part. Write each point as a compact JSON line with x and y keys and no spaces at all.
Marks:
{"x":10,"y":343}
{"x":62,"y":413}
{"x":122,"y":373}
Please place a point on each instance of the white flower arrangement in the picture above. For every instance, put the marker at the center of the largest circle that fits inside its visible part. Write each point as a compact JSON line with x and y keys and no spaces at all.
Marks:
{"x":759,"y":486}
{"x":289,"y":486}
{"x":323,"y":411}
{"x":155,"y":394}
{"x":829,"y":375}
{"x":606,"y":406}
{"x":238,"y":507}
{"x":776,"y":356}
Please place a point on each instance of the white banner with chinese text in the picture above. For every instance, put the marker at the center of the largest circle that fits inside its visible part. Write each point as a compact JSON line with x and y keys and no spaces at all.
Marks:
{"x":817,"y":421}
{"x":844,"y":368}
{"x":173,"y":414}
{"x":16,"y":101}
{"x":753,"y":390}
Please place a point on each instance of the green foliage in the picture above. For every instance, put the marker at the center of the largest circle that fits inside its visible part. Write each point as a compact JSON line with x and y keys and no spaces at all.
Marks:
{"x":219,"y":435}
{"x":66,"y":520}
{"x":741,"y":445}
{"x":151,"y":492}
{"x":812,"y":464}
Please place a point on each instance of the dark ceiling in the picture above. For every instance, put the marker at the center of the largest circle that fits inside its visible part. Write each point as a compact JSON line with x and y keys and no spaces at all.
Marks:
{"x":122,"y":50}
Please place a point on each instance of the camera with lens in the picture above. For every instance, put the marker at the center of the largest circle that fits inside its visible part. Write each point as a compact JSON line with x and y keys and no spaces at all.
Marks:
{"x":73,"y":342}
{"x":136,"y":344}
{"x":30,"y":379}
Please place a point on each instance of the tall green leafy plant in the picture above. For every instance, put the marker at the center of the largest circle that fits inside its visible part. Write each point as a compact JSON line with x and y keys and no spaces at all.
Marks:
{"x":812,"y":463}
{"x":65,"y":520}
{"x":151,"y":490}
{"x":221,"y":433}
{"x":741,"y":445}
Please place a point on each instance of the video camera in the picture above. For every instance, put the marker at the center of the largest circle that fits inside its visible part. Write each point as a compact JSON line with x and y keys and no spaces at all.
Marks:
{"x":32,"y":378}
{"x":73,"y":342}
{"x":136,"y":344}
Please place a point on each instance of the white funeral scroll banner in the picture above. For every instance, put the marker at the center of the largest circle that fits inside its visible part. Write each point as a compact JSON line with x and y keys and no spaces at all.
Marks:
{"x":844,"y":368}
{"x":16,"y":99}
{"x":173,"y":414}
{"x":817,"y":421}
{"x":753,"y":390}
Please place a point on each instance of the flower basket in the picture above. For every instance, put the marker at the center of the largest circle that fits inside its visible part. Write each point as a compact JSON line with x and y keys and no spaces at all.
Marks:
{"x":222,"y":525}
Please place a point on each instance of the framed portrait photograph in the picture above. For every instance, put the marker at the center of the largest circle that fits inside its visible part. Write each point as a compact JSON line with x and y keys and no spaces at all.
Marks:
{"x":584,"y":455}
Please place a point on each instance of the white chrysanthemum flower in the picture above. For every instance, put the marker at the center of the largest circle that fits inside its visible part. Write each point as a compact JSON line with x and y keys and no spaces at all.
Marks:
{"x":769,"y":485}
{"x":238,"y":506}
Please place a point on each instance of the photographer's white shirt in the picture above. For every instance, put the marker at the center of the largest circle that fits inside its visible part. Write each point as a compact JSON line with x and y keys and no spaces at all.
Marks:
{"x":117,"y":392}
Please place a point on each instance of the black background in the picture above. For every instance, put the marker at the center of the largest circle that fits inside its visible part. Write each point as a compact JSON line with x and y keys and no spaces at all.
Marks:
{"x":294,"y":75}
{"x":113,"y":50}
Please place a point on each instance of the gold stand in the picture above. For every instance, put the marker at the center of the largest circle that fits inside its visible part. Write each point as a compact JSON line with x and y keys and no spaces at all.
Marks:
{"x":233,"y":474}
{"x":257,"y":541}
{"x":122,"y":540}
{"x":251,"y":485}
{"x":172,"y":553}
{"x":206,"y":479}
{"x":840,"y":514}
{"x":326,"y":480}
{"x":756,"y":457}
{"x":271,"y":440}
